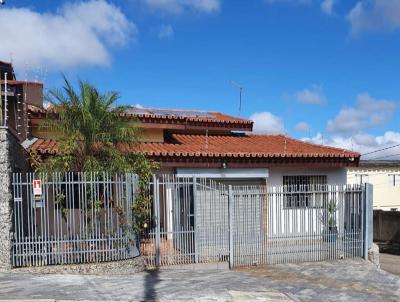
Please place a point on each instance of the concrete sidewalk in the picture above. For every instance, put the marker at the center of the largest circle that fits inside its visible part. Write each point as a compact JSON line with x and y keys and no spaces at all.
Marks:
{"x":347,"y":280}
{"x":390,"y":263}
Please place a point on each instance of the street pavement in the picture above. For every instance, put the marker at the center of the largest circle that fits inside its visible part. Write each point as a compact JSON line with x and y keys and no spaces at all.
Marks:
{"x":345,"y":280}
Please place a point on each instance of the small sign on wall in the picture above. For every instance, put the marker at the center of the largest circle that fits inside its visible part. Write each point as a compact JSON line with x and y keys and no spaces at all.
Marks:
{"x":37,"y":187}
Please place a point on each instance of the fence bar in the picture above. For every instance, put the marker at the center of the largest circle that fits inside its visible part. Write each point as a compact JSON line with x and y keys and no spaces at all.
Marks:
{"x":230,"y":215}
{"x":75,"y":220}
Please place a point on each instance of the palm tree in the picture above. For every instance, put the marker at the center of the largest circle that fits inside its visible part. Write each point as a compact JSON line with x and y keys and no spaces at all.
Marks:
{"x":88,"y":126}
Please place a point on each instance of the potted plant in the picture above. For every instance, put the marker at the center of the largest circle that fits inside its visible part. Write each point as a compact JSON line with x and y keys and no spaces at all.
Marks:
{"x":330,"y":229}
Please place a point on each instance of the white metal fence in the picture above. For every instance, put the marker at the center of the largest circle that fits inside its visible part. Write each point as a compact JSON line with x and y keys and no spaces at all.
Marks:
{"x":196,"y":220}
{"x":78,"y":217}
{"x":73,"y":218}
{"x":296,"y":224}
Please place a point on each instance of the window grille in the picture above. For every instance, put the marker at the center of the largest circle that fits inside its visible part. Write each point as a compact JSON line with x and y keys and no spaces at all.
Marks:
{"x":304,"y":190}
{"x":394,"y":180}
{"x":362,"y":178}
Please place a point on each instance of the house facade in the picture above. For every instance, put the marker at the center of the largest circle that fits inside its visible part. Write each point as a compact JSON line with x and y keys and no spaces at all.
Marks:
{"x":219,"y":146}
{"x":194,"y":217}
{"x":384,"y":176}
{"x":189,"y":142}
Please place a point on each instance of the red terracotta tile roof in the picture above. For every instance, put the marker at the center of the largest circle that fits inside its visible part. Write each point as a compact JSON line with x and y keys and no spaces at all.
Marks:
{"x":231,"y":146}
{"x":18,"y":82}
{"x":189,"y":115}
{"x":35,"y":109}
{"x":182,"y":119}
{"x":45,"y":146}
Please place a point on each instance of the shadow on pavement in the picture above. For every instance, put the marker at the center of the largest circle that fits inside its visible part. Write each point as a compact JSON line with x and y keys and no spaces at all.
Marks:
{"x":151,"y":280}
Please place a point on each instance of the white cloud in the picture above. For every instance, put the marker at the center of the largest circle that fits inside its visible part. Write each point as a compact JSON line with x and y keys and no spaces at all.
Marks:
{"x":79,"y":33}
{"x":367,"y":113}
{"x":375,"y":15}
{"x":266,"y":122}
{"x":348,"y":129}
{"x":166,"y":32}
{"x":302,"y":127}
{"x":364,"y":143}
{"x":327,"y":6}
{"x":312,"y":96}
{"x":177,"y":7}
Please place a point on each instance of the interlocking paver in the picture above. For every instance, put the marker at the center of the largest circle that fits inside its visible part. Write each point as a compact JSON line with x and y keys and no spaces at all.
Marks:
{"x":346,"y":280}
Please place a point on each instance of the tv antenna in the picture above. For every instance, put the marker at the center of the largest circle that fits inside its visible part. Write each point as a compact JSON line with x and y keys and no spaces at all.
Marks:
{"x":240,"y":87}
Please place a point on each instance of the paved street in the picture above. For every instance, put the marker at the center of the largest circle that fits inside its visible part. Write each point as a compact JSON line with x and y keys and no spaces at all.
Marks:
{"x":390,"y":263}
{"x":350,"y":280}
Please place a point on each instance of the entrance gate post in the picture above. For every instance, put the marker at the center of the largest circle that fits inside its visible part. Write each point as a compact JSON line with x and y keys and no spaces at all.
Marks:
{"x":196,"y":229}
{"x":230,"y":219}
{"x":158,"y":220}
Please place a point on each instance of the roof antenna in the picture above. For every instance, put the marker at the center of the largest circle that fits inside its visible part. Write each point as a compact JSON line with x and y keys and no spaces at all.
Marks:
{"x":240,"y":87}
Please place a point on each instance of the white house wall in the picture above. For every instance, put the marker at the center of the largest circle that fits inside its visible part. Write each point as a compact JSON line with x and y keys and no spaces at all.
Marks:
{"x":285,"y":221}
{"x":386,"y":196}
{"x":335,"y":175}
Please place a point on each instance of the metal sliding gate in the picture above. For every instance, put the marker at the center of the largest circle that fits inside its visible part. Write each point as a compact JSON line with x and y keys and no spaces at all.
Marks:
{"x":188,"y":222}
{"x":274,"y":225}
{"x":199,"y":220}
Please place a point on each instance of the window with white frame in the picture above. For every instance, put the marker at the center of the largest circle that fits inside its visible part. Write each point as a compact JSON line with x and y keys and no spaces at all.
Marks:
{"x":301,"y":190}
{"x":394,"y":180}
{"x":362,"y":178}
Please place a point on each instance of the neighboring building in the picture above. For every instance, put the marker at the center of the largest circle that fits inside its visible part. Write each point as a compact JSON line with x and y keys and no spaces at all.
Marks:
{"x":14,"y":103}
{"x":219,"y":146}
{"x":384,"y":176}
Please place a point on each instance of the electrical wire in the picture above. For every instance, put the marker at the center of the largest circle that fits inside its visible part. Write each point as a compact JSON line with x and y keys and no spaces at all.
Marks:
{"x":379,"y":150}
{"x":386,"y":156}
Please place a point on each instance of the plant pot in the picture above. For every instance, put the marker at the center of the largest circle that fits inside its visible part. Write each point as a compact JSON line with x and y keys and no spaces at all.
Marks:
{"x":330,"y":234}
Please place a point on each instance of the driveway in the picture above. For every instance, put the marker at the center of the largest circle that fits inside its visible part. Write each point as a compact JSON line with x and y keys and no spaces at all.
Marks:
{"x":390,"y":263}
{"x":349,"y":280}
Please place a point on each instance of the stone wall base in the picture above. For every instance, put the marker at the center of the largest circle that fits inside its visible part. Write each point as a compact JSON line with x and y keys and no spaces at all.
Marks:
{"x":123,"y":267}
{"x":373,"y":255}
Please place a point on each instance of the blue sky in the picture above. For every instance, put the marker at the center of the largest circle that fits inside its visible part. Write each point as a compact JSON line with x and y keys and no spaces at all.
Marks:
{"x":323,"y":70}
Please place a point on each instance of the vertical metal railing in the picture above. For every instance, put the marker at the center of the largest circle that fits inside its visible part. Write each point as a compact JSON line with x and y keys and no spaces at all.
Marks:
{"x":87,"y":217}
{"x":306,"y":223}
{"x":77,"y":218}
{"x":4,"y":101}
{"x":248,"y":225}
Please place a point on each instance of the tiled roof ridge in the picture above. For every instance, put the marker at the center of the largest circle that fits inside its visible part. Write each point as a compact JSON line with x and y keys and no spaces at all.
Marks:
{"x":318,"y":145}
{"x":172,"y":109}
{"x":221,"y":146}
{"x":225,"y":117}
{"x":16,"y":82}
